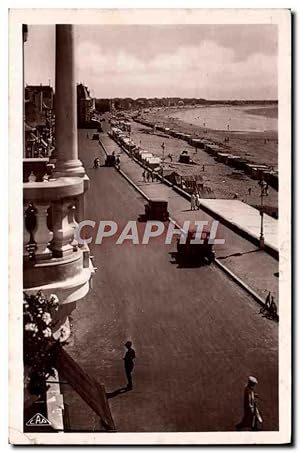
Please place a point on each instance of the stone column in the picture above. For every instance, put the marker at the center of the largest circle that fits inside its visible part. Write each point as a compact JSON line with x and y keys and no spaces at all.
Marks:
{"x":67,"y":162}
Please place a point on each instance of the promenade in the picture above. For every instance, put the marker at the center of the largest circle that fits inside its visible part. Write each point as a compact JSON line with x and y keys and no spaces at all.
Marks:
{"x":197,"y":335}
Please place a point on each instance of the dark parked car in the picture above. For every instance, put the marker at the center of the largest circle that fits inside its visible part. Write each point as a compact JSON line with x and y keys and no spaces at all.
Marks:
{"x":157,"y":209}
{"x":196,"y":252}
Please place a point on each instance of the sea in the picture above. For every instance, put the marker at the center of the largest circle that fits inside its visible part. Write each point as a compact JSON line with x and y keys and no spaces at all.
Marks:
{"x":230,"y":118}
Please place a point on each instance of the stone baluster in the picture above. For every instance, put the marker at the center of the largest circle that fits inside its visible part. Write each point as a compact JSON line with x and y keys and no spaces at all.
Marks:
{"x":63,"y":230}
{"x":72,"y":221}
{"x":41,"y":234}
{"x":26,"y":234}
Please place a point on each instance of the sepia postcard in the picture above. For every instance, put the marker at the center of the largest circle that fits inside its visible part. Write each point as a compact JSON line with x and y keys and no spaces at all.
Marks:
{"x":150,"y":226}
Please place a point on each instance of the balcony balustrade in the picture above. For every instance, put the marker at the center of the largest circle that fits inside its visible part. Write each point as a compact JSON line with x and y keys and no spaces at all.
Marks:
{"x":53,"y":260}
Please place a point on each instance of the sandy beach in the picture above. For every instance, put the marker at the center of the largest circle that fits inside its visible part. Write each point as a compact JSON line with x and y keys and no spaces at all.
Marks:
{"x":259,"y":147}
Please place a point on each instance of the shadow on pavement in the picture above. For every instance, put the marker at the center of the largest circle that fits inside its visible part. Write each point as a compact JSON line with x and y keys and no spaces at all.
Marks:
{"x":117,"y":392}
{"x":185,"y":262}
{"x":238,"y":254}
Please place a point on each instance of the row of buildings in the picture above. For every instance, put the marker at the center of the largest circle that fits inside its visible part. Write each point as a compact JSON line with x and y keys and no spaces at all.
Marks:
{"x":39,"y":121}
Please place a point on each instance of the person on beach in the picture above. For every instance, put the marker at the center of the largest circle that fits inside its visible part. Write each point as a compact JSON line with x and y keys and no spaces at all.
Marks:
{"x":273,"y":308}
{"x":193,"y":202}
{"x":144,"y":176}
{"x":129,"y":363}
{"x":268,"y":301}
{"x":249,"y":191}
{"x":148,"y":176}
{"x":251,"y":416}
{"x":198,"y":200}
{"x":118,"y":162}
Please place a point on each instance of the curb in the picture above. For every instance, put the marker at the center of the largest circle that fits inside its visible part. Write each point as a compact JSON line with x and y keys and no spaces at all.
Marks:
{"x":103,"y":147}
{"x":218,"y":263}
{"x":242,"y":284}
{"x":133,"y":184}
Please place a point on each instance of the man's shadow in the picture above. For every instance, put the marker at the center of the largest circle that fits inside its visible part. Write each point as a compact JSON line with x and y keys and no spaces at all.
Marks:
{"x":117,"y":392}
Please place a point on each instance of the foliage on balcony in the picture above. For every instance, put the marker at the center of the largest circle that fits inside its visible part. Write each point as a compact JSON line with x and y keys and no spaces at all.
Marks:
{"x":40,"y":348}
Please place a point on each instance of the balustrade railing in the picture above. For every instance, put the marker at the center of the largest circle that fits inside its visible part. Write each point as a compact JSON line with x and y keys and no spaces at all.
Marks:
{"x":49,"y":217}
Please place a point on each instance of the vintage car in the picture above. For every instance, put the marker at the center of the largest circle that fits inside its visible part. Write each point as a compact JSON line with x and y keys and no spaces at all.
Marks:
{"x":157,"y":209}
{"x":196,"y":252}
{"x":110,"y":160}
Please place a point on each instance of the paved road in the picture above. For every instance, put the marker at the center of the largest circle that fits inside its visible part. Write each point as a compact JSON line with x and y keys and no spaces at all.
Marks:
{"x":197,"y":335}
{"x":238,"y":254}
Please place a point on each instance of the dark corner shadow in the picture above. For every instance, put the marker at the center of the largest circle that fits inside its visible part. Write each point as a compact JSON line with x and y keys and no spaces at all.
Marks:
{"x":142,"y":218}
{"x":184,"y":263}
{"x":238,"y":254}
{"x":116,"y":392}
{"x":276,"y":274}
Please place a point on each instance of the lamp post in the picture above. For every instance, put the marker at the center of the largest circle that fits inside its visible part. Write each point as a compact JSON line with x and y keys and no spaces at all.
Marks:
{"x":261,"y":238}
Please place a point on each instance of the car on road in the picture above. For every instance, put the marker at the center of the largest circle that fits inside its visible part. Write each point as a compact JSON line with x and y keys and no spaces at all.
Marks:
{"x":157,"y":209}
{"x":110,"y":160}
{"x":200,"y":250}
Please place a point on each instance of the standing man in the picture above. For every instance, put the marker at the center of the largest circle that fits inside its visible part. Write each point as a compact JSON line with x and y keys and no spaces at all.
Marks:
{"x":193,"y":202}
{"x":268,"y":301}
{"x":129,"y":363}
{"x":198,"y":200}
{"x":251,"y":414}
{"x":163,"y":151}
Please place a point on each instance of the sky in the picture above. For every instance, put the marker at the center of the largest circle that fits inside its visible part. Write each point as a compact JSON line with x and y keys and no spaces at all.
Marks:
{"x":203,"y":61}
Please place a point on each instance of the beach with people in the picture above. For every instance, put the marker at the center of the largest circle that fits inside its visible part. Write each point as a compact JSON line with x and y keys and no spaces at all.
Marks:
{"x":223,"y":181}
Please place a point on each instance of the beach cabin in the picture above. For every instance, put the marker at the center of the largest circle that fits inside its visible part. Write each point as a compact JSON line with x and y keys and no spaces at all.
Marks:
{"x":213,"y":150}
{"x":221,"y":157}
{"x":128,"y":144}
{"x":195,"y":142}
{"x":185,"y":157}
{"x":257,"y":172}
{"x":249,"y":168}
{"x":231,"y":160}
{"x":186,"y":137}
{"x":145,"y":155}
{"x":240,"y":163}
{"x":192,"y":183}
{"x":153,"y":162}
{"x":273,"y":179}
